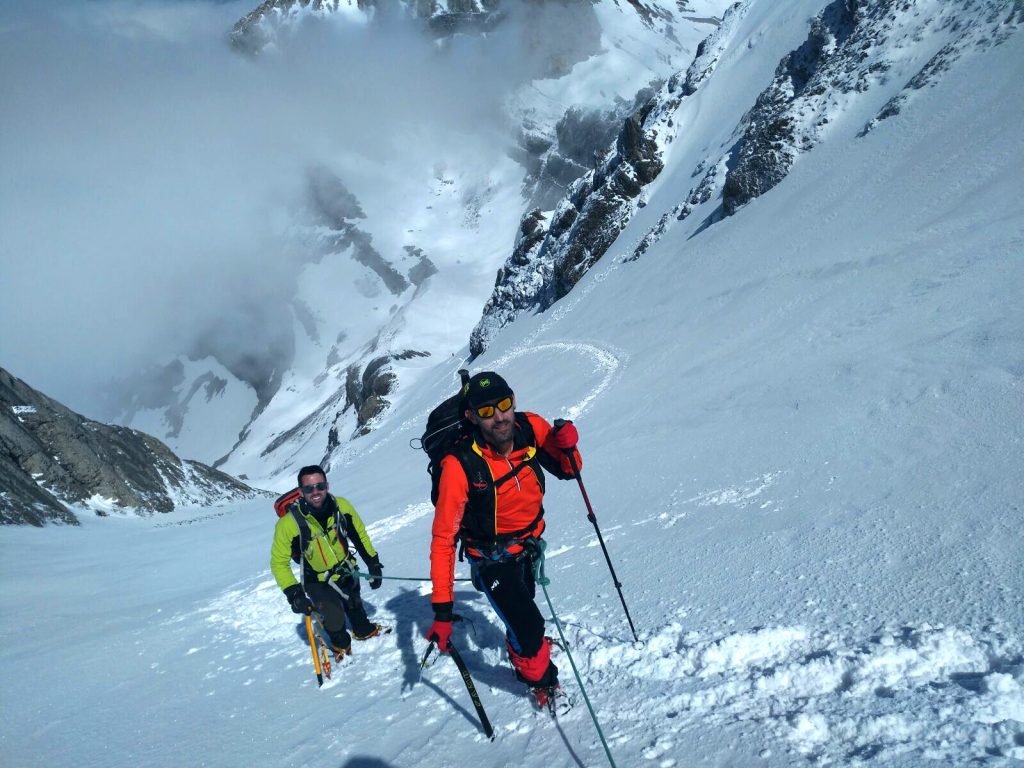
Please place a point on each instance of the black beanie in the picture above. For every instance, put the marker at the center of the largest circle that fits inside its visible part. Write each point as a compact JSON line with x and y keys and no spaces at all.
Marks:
{"x":486,"y":387}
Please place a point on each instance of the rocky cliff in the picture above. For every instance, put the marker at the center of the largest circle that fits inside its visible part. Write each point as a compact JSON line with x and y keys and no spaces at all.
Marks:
{"x":52,"y":460}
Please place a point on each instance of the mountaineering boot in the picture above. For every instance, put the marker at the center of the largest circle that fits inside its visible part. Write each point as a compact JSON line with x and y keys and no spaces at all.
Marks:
{"x":375,"y":630}
{"x":552,"y":699}
{"x":341,"y":651}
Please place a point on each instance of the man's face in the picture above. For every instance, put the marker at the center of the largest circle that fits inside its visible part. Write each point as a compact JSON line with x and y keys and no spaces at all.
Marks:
{"x":314,"y":489}
{"x":497,"y":428}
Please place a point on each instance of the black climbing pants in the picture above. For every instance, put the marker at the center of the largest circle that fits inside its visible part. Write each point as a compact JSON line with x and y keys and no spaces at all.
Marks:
{"x":334,"y":608}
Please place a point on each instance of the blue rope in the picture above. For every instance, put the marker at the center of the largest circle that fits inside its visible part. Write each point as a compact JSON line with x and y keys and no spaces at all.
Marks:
{"x":538,"y":573}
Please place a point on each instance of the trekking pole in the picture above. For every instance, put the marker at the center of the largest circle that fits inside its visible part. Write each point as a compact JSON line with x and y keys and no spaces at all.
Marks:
{"x":541,"y":578}
{"x":312,"y":649}
{"x":593,"y":518}
{"x":464,"y":671}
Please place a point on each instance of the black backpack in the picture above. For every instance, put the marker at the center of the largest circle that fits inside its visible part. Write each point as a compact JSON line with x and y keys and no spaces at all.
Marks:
{"x":446,"y":427}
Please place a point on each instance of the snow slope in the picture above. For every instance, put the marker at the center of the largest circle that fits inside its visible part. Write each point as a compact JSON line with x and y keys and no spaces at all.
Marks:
{"x":801,"y":430}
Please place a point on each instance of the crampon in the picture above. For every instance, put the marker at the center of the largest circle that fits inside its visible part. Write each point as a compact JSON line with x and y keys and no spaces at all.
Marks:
{"x":552,"y":699}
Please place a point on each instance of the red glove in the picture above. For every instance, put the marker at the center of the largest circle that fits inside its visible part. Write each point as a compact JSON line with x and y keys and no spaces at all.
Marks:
{"x":440,"y":632}
{"x":566,"y":437}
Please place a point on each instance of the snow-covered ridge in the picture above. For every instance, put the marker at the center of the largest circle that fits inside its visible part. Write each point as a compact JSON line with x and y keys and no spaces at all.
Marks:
{"x":860,"y":63}
{"x":261,"y":27}
{"x":854,"y":54}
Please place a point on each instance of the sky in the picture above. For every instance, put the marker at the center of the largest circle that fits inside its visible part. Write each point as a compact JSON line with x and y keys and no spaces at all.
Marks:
{"x":152,"y":175}
{"x":801,"y":440}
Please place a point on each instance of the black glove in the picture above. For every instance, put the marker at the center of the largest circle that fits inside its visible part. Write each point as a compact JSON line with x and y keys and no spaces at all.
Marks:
{"x":376,"y":571}
{"x":297,"y":599}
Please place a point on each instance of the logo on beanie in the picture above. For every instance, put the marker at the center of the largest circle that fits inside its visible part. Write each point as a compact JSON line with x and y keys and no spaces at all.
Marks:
{"x":484,"y":383}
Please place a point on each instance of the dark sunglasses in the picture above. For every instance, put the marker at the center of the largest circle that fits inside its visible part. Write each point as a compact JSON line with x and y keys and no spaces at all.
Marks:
{"x":487,"y":411}
{"x":314,"y":487}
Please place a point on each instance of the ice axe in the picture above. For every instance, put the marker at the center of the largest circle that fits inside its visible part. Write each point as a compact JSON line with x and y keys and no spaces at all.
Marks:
{"x":559,"y":423}
{"x":467,"y":679}
{"x":321,"y":664}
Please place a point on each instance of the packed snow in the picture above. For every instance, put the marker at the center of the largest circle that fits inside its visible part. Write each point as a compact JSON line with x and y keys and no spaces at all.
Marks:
{"x":801,"y":430}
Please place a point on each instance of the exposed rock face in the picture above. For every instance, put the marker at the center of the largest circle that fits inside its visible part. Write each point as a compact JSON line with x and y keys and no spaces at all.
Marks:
{"x":546,"y":263}
{"x":255,"y":30}
{"x":774,"y":134}
{"x":363,"y":394}
{"x":51,"y":457}
{"x":849,"y":52}
{"x":336,"y":209}
{"x":367,"y":391}
{"x":581,"y":139}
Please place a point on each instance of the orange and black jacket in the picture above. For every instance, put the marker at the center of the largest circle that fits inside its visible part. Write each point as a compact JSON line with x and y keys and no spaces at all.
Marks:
{"x":489,"y":515}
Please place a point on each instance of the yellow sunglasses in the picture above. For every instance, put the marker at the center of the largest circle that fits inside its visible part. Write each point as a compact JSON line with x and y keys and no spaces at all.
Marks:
{"x":487,"y":411}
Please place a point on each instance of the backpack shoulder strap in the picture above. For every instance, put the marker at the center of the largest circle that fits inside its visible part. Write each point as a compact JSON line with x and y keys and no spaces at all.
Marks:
{"x":523,"y":422}
{"x":304,"y":536}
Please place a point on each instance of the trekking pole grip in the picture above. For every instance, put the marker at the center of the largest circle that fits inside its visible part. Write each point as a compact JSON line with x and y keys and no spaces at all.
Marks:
{"x":559,"y":423}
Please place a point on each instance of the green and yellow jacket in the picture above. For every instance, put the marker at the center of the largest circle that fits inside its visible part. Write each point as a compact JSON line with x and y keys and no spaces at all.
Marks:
{"x":326,"y":550}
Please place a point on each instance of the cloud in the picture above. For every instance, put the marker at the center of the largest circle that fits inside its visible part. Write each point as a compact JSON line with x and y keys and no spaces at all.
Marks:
{"x":150,"y":172}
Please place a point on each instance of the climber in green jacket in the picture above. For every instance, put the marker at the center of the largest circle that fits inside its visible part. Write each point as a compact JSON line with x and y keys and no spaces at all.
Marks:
{"x":320,"y":531}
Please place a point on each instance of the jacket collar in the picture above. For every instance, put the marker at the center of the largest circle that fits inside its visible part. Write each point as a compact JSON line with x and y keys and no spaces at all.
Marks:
{"x":322,"y":515}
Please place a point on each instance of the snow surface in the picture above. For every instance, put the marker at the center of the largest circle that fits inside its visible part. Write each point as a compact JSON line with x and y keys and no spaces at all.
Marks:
{"x":802,"y":431}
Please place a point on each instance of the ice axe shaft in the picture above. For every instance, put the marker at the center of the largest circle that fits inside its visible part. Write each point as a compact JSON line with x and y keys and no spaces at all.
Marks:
{"x":593,"y":519}
{"x":312,"y":649}
{"x":473,"y":695}
{"x":467,"y":679}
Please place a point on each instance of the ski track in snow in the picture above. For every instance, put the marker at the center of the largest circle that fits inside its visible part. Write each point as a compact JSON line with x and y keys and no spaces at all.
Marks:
{"x":681,"y":503}
{"x":382,"y":529}
{"x":607,"y":363}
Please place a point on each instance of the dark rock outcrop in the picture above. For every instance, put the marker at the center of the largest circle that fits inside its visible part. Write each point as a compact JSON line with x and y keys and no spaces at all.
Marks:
{"x":850,"y":52}
{"x":581,"y":139}
{"x":366,"y":391}
{"x":336,"y":209}
{"x":773,"y":137}
{"x":546,"y":263}
{"x":51,"y":457}
{"x":254,"y":31}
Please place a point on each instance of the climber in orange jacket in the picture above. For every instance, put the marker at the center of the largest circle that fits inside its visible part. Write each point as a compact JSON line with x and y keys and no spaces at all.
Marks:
{"x":490,"y":498}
